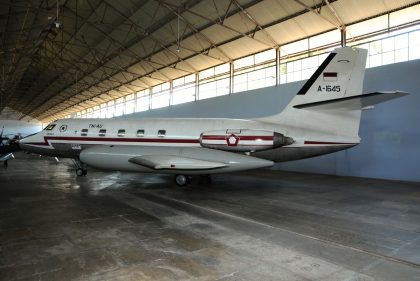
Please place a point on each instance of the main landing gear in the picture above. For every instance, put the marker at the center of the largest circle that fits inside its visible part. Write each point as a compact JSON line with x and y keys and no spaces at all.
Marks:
{"x":81,"y":168}
{"x":182,"y":180}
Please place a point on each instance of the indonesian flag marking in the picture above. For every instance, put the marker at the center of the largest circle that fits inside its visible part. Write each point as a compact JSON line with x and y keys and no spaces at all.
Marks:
{"x":330,"y":76}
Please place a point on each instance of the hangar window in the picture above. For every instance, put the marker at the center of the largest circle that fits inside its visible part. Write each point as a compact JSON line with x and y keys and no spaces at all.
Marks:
{"x":143,"y":100}
{"x":49,"y":127}
{"x":119,"y":107}
{"x":96,"y":111}
{"x":89,"y":113}
{"x":214,"y":89}
{"x":140,"y":133}
{"x":102,"y":132}
{"x":110,"y":109}
{"x":160,"y":95}
{"x":84,"y":132}
{"x":183,"y":89}
{"x":161,"y":133}
{"x":255,"y":71}
{"x":103,"y":110}
{"x":121,"y":133}
{"x":129,"y":104}
{"x":414,"y":39}
{"x":214,"y":82}
{"x":396,"y":48}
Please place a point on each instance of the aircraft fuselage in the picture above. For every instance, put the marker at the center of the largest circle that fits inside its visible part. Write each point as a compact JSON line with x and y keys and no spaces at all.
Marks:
{"x":69,"y":137}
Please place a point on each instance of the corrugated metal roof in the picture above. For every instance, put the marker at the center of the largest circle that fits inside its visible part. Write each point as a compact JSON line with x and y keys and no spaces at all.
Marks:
{"x":111,"y":48}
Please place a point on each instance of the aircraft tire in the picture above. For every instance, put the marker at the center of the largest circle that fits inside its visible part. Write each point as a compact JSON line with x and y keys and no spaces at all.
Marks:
{"x":79,"y":172}
{"x":181,"y":180}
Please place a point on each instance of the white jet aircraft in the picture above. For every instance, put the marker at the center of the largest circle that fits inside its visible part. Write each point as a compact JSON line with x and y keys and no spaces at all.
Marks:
{"x":322,"y":118}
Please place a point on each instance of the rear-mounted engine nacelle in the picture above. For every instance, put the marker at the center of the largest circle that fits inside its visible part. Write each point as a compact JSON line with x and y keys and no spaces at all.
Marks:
{"x":243,"y":140}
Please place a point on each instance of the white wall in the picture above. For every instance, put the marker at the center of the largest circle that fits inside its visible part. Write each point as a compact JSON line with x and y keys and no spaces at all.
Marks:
{"x":390,"y":133}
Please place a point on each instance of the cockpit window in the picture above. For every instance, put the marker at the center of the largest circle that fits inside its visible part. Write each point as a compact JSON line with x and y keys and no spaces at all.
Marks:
{"x":49,"y":127}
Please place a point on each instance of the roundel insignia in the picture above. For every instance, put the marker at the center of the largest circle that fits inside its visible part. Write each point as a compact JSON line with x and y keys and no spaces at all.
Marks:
{"x":63,"y":128}
{"x":232,"y":140}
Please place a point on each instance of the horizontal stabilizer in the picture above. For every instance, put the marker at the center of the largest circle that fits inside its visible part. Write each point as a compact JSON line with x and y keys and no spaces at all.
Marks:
{"x":353,"y":102}
{"x":165,"y":162}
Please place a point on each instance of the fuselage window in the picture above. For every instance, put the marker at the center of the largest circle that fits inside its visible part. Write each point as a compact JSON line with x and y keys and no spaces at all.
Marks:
{"x":49,"y":127}
{"x":140,"y":133}
{"x":161,"y":133}
{"x":121,"y":132}
{"x":84,"y":132}
{"x":102,"y":132}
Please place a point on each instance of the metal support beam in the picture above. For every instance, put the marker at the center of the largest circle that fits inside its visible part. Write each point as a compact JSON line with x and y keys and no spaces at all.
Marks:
{"x":277,"y":66}
{"x":231,"y":77}
{"x":197,"y":83}
{"x":343,"y":37}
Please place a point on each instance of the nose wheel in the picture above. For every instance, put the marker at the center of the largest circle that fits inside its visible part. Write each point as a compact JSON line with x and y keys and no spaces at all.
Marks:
{"x":81,"y":172}
{"x":81,"y":169}
{"x":182,"y":180}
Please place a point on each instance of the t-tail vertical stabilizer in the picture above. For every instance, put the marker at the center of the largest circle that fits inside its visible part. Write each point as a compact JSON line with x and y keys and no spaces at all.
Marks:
{"x":339,"y":76}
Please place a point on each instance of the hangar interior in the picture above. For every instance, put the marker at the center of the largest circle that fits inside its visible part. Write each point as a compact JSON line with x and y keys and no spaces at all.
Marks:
{"x":195,"y":58}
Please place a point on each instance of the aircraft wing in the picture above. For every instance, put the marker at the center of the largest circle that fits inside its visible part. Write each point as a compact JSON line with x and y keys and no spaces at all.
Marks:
{"x":162,"y":162}
{"x":167,"y":158}
{"x":353,"y":102}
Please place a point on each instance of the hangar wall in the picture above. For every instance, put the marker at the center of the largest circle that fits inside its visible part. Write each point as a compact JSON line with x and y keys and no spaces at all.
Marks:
{"x":390,"y":133}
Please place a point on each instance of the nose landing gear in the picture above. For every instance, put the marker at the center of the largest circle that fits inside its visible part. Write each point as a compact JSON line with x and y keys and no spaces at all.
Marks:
{"x":81,"y":172}
{"x":81,"y":168}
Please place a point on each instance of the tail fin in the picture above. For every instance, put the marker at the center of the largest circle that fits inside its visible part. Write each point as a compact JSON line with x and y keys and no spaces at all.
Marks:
{"x":339,"y":76}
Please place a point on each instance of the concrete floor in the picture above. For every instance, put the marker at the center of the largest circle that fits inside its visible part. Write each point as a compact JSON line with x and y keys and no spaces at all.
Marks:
{"x":260,"y":225}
